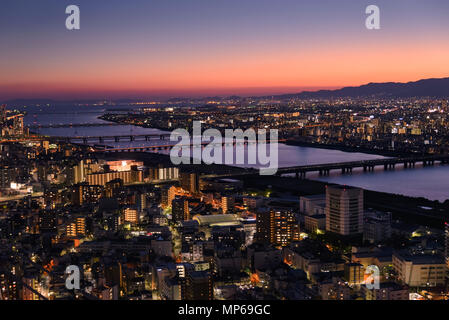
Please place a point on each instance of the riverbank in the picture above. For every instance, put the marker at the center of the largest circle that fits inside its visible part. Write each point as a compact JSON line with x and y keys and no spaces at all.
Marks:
{"x":105,"y":117}
{"x":408,"y":209}
{"x":291,"y":142}
{"x":385,"y":153}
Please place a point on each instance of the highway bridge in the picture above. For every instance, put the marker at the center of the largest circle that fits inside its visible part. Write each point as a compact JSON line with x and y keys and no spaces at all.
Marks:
{"x":155,"y":148}
{"x":347,"y":167}
{"x":114,"y":138}
{"x":367,"y":165}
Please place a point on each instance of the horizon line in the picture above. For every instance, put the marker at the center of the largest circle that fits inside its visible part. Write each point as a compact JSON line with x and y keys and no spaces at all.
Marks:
{"x":167,"y":96}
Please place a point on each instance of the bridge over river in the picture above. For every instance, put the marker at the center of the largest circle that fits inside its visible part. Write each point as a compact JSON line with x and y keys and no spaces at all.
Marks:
{"x":347,"y":167}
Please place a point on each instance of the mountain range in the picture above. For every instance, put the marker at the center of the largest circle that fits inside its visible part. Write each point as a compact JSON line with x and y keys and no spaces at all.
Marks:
{"x":437,"y":88}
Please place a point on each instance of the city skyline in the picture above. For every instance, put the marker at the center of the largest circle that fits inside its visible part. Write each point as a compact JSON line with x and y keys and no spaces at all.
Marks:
{"x":258,"y":153}
{"x":155,"y":49}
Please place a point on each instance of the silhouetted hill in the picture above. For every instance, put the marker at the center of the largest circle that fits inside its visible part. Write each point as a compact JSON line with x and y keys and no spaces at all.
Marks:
{"x":423,"y":88}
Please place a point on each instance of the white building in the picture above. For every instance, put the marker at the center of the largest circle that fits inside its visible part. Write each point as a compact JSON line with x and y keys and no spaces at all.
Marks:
{"x":419,"y":270}
{"x":344,"y":210}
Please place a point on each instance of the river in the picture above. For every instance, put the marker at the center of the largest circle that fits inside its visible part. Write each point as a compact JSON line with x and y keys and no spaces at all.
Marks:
{"x":429,"y":182}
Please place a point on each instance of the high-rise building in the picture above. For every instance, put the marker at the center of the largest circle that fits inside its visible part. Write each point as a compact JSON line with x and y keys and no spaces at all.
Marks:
{"x":227,"y":204}
{"x":171,"y":194}
{"x":344,"y":210}
{"x":198,"y":286}
{"x":78,"y":172}
{"x":189,"y":182}
{"x":142,"y":202}
{"x":180,"y":209}
{"x":164,"y":197}
{"x":277,"y":226}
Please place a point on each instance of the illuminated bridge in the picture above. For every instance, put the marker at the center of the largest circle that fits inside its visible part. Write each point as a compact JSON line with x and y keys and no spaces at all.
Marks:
{"x":155,"y":148}
{"x":367,"y":165}
{"x":115,"y":138}
{"x":347,"y":167}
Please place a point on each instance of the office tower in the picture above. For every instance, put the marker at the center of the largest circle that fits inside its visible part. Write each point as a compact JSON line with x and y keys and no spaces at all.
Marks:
{"x":190,"y":182}
{"x":198,"y":286}
{"x":180,"y":209}
{"x":344,"y":210}
{"x":277,"y":226}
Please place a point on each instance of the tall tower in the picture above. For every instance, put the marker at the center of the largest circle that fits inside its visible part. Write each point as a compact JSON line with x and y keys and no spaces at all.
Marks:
{"x":344,"y":210}
{"x":180,"y":209}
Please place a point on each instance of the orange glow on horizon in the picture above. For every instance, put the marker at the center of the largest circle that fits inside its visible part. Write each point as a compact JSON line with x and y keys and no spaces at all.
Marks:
{"x":277,"y":71}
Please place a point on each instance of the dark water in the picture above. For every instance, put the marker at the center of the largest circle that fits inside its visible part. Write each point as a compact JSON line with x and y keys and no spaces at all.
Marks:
{"x":428,"y":182}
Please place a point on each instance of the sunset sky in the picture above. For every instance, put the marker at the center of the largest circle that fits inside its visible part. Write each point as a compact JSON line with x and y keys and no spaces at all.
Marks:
{"x":165,"y":48}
